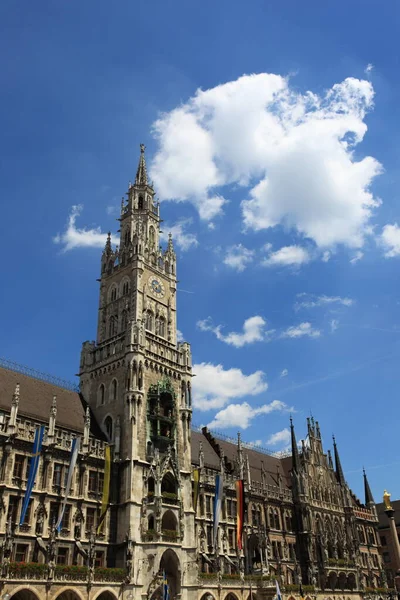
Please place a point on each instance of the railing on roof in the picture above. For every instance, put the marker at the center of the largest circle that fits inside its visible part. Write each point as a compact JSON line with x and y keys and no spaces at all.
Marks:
{"x":249,"y":445}
{"x":63,"y":383}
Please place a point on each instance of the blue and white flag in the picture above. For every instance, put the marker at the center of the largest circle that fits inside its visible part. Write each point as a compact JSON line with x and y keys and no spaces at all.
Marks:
{"x":278,"y":591}
{"x":165,"y":587}
{"x":219,"y":485}
{"x":76,"y":443}
{"x":37,"y":448}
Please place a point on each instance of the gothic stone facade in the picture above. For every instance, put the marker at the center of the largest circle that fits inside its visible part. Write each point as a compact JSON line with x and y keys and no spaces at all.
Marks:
{"x":303,"y":524}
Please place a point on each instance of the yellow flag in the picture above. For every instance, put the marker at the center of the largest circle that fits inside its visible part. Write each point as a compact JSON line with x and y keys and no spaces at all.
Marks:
{"x":106,"y":488}
{"x":196,"y":478}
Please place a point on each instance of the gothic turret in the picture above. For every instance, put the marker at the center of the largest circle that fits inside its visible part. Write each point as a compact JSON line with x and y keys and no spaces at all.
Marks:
{"x":295,"y":450}
{"x":339,"y":471}
{"x":141,"y":173}
{"x":369,"y":499}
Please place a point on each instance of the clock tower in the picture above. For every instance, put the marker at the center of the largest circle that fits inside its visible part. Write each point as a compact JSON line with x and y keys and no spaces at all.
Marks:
{"x":136,"y":380}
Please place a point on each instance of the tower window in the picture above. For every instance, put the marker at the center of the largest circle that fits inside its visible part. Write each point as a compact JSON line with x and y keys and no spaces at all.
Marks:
{"x":101,"y":394}
{"x":161,"y":327}
{"x":114,"y":389}
{"x":149,"y":321}
{"x":108,"y":428}
{"x":140,"y":203}
{"x":124,"y":320}
{"x":112,"y":326}
{"x":126,"y":238}
{"x":125,"y":288}
{"x":113,"y":295}
{"x":152,"y":237}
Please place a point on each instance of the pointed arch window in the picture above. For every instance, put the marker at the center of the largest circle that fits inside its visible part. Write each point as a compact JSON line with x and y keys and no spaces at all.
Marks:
{"x":114,"y":390}
{"x":113,"y":295}
{"x":112,"y":326}
{"x":125,"y":288}
{"x":108,"y":428}
{"x":101,"y":394}
{"x":140,"y":203}
{"x":149,"y":321}
{"x":161,"y":327}
{"x":152,"y":237}
{"x":127,"y":237}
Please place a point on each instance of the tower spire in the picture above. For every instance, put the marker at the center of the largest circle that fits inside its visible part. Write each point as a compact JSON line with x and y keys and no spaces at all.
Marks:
{"x":339,"y":470}
{"x":295,"y":450}
{"x":141,"y":173}
{"x":369,"y":499}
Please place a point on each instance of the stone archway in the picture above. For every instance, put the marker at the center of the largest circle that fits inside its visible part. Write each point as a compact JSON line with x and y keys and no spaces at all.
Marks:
{"x":24,"y":594}
{"x":169,"y":564}
{"x":207,"y":596}
{"x":106,"y":595}
{"x":68,"y":594}
{"x":231,"y":596}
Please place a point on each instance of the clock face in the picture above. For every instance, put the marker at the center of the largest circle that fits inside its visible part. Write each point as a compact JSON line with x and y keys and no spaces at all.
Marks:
{"x":156,"y":287}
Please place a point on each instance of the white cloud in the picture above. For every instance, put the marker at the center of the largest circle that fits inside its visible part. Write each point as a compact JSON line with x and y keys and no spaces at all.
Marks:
{"x":292,"y":153}
{"x":73,"y":237}
{"x":179,"y":336}
{"x":326,"y":256}
{"x":316,"y":301}
{"x":253,"y":331}
{"x":358,"y":256}
{"x":241,"y":415}
{"x":334,"y":325}
{"x":390,"y":240}
{"x":287,"y":256}
{"x":280,"y":437}
{"x":369,"y":68}
{"x":180,"y":237}
{"x":214,"y":386}
{"x":238,"y":257}
{"x":284,"y":373}
{"x":301,"y":330}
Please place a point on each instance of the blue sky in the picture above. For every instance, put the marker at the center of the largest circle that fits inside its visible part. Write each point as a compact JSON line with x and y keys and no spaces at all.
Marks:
{"x":279,"y":181}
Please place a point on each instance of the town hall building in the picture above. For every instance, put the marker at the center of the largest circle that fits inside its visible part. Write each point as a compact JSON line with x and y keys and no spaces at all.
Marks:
{"x":303,"y":526}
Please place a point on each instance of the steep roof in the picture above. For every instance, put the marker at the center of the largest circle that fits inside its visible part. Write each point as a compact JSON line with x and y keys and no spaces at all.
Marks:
{"x":258,"y":460}
{"x":36,"y":397}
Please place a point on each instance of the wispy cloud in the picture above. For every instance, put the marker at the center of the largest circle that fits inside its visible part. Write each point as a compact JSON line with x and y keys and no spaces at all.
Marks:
{"x":254,"y":330}
{"x":279,"y":438}
{"x":284,"y":373}
{"x":302,"y":330}
{"x":75,"y":237}
{"x":241,"y":415}
{"x":310,"y":301}
{"x":182,"y":238}
{"x":287,"y":256}
{"x":238,"y":257}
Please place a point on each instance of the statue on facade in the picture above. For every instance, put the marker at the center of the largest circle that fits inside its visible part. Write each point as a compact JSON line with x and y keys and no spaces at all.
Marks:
{"x":6,"y":549}
{"x":386,"y":500}
{"x":51,"y":553}
{"x":129,"y":557}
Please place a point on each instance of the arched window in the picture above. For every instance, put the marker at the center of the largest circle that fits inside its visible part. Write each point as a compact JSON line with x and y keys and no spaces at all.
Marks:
{"x":124,"y":320}
{"x":101,"y":394}
{"x":161,"y":327}
{"x":113,"y":295}
{"x":112,"y":326}
{"x":150,"y":523}
{"x":140,"y":203}
{"x":127,"y":237}
{"x":150,"y":486}
{"x":149,"y":321}
{"x":125,"y":288}
{"x":152,"y":237}
{"x":108,"y":427}
{"x":114,"y":390}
